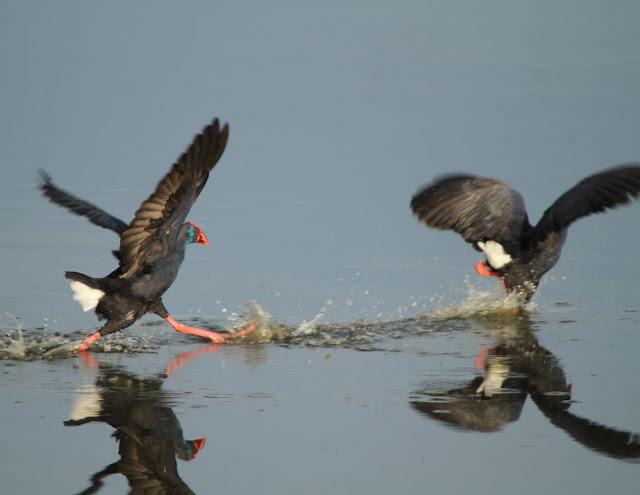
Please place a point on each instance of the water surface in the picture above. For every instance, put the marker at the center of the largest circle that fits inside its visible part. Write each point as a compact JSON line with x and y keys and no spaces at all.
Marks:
{"x":375,"y":334}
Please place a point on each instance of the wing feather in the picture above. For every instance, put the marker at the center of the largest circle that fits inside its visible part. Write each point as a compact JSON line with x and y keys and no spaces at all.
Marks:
{"x":477,"y":208}
{"x":95,"y":215}
{"x":163,"y":213}
{"x":605,"y":190}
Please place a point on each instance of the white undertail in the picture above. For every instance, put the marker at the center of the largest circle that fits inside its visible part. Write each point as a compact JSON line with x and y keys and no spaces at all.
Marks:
{"x":88,"y":403}
{"x":85,"y":295}
{"x":496,"y":373}
{"x":495,"y":253}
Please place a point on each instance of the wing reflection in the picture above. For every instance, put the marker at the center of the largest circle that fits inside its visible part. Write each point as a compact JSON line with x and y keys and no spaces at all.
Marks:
{"x":148,"y":433}
{"x":517,"y":366}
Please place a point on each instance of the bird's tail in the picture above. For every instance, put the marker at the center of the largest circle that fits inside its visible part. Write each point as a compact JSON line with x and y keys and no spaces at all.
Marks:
{"x":86,"y":290}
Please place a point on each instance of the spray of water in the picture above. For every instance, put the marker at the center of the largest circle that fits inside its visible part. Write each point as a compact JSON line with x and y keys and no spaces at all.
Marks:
{"x":308,"y":327}
{"x":12,"y":344}
{"x":479,"y":302}
{"x":267,"y":329}
{"x":16,"y":343}
{"x":20,"y":344}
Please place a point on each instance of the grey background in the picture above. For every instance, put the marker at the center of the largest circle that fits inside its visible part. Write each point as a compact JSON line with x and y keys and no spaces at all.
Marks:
{"x":339,"y":112}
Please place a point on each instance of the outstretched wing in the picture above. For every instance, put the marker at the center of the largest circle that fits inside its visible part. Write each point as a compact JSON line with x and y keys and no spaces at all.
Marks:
{"x":596,"y":193}
{"x":619,"y":444}
{"x":477,"y":208}
{"x":158,"y":220}
{"x":79,"y":206}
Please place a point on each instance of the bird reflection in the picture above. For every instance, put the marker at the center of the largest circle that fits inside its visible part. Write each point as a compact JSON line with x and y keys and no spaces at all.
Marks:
{"x":517,"y":366}
{"x":147,"y":431}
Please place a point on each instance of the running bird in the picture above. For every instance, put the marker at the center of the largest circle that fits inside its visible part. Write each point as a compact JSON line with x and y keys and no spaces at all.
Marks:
{"x":492,"y":217}
{"x":152,"y":246}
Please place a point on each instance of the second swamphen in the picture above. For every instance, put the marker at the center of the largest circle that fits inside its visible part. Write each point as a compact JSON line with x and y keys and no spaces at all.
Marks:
{"x":492,"y":217}
{"x":152,"y":246}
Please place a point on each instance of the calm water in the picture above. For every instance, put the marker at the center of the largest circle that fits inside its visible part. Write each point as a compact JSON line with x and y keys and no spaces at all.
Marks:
{"x":375,"y":332}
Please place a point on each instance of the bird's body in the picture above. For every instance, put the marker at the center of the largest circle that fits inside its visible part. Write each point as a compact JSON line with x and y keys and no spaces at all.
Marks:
{"x":492,"y":217}
{"x":152,"y":245}
{"x":148,"y":433}
{"x":522,"y":275}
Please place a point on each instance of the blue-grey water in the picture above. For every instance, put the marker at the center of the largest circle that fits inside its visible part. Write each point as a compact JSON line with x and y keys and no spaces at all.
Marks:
{"x":375,"y":333}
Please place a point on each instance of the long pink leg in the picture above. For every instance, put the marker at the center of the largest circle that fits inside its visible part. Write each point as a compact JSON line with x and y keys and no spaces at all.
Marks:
{"x":111,"y":327}
{"x":215,"y":337}
{"x":86,"y":343}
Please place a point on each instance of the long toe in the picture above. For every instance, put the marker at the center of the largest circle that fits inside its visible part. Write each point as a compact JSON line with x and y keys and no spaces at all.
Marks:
{"x":216,"y":338}
{"x":245,"y":331}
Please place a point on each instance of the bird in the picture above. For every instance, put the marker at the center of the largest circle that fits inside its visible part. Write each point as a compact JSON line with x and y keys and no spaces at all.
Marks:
{"x":147,"y":431}
{"x":492,"y":217}
{"x":152,"y":246}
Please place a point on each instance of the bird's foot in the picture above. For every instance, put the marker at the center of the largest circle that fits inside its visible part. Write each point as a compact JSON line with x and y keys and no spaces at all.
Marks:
{"x":245,"y":331}
{"x":214,"y":337}
{"x":86,"y":343}
{"x":484,"y":270}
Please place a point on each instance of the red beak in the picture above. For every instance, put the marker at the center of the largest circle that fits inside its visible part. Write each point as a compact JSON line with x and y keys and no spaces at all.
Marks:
{"x":198,"y":445}
{"x":201,"y":237}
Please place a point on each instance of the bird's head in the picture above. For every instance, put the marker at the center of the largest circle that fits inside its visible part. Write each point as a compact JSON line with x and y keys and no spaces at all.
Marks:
{"x":195,"y":234}
{"x":190,"y":449}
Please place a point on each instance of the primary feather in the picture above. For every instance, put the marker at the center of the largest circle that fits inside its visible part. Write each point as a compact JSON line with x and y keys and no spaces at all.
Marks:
{"x":597,"y":193}
{"x":477,"y":208}
{"x":95,"y":215}
{"x":158,"y":220}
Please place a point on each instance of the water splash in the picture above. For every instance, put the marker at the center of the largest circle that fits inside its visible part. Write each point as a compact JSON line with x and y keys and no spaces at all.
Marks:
{"x":13,"y":345}
{"x":308,"y":333}
{"x":360,"y":335}
{"x":480,"y":302}
{"x":20,"y":344}
{"x":267,"y":329}
{"x":308,"y":327}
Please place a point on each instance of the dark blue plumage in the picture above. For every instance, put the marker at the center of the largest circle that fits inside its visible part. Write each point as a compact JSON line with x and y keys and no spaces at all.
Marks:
{"x":152,"y":245}
{"x":492,"y":217}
